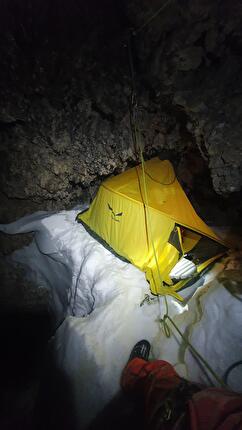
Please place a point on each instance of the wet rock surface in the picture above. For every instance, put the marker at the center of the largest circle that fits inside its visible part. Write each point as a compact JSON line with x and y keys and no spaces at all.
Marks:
{"x":65,"y":92}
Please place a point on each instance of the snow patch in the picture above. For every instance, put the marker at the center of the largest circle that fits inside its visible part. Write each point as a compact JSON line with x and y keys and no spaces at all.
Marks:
{"x":99,"y":298}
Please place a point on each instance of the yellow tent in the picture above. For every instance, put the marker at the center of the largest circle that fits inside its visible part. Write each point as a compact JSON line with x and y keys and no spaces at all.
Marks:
{"x":119,"y":217}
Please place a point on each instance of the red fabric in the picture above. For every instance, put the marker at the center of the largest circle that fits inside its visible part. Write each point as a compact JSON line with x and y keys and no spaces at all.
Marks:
{"x":208,"y":409}
{"x":215,"y":408}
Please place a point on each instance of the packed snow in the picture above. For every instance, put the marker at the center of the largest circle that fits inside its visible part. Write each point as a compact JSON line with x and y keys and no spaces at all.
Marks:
{"x":96,"y":299}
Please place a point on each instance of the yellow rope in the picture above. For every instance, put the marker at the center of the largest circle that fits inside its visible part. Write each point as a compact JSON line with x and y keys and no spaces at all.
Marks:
{"x":166,"y":316}
{"x":146,"y":206}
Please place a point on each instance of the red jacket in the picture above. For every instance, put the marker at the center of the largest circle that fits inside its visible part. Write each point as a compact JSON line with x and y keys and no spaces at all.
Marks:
{"x":175,"y":404}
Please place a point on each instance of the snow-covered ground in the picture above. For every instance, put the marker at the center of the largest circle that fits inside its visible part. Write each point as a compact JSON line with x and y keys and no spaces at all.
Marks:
{"x":99,"y":295}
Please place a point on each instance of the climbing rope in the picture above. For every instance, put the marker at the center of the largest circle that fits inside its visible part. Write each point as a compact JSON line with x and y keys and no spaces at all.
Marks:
{"x":160,"y":182}
{"x":137,"y":144}
{"x":230,"y":368}
{"x":153,"y":16}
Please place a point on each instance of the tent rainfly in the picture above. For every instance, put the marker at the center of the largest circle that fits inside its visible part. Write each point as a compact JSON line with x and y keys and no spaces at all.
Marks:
{"x":166,"y":231}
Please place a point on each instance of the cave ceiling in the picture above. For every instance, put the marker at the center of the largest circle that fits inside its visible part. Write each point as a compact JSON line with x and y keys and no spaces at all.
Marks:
{"x":65,"y":94}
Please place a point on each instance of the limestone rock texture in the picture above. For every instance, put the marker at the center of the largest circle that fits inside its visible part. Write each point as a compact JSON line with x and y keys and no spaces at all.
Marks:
{"x":66,"y":92}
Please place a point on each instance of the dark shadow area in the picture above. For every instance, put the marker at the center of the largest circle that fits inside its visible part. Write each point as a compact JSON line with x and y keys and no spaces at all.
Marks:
{"x":33,"y":394}
{"x":123,"y":412}
{"x":54,"y":406}
{"x":24,"y":337}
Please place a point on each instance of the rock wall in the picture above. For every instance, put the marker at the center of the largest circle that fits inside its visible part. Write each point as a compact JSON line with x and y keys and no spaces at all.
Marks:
{"x":65,"y":97}
{"x":191,"y":53}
